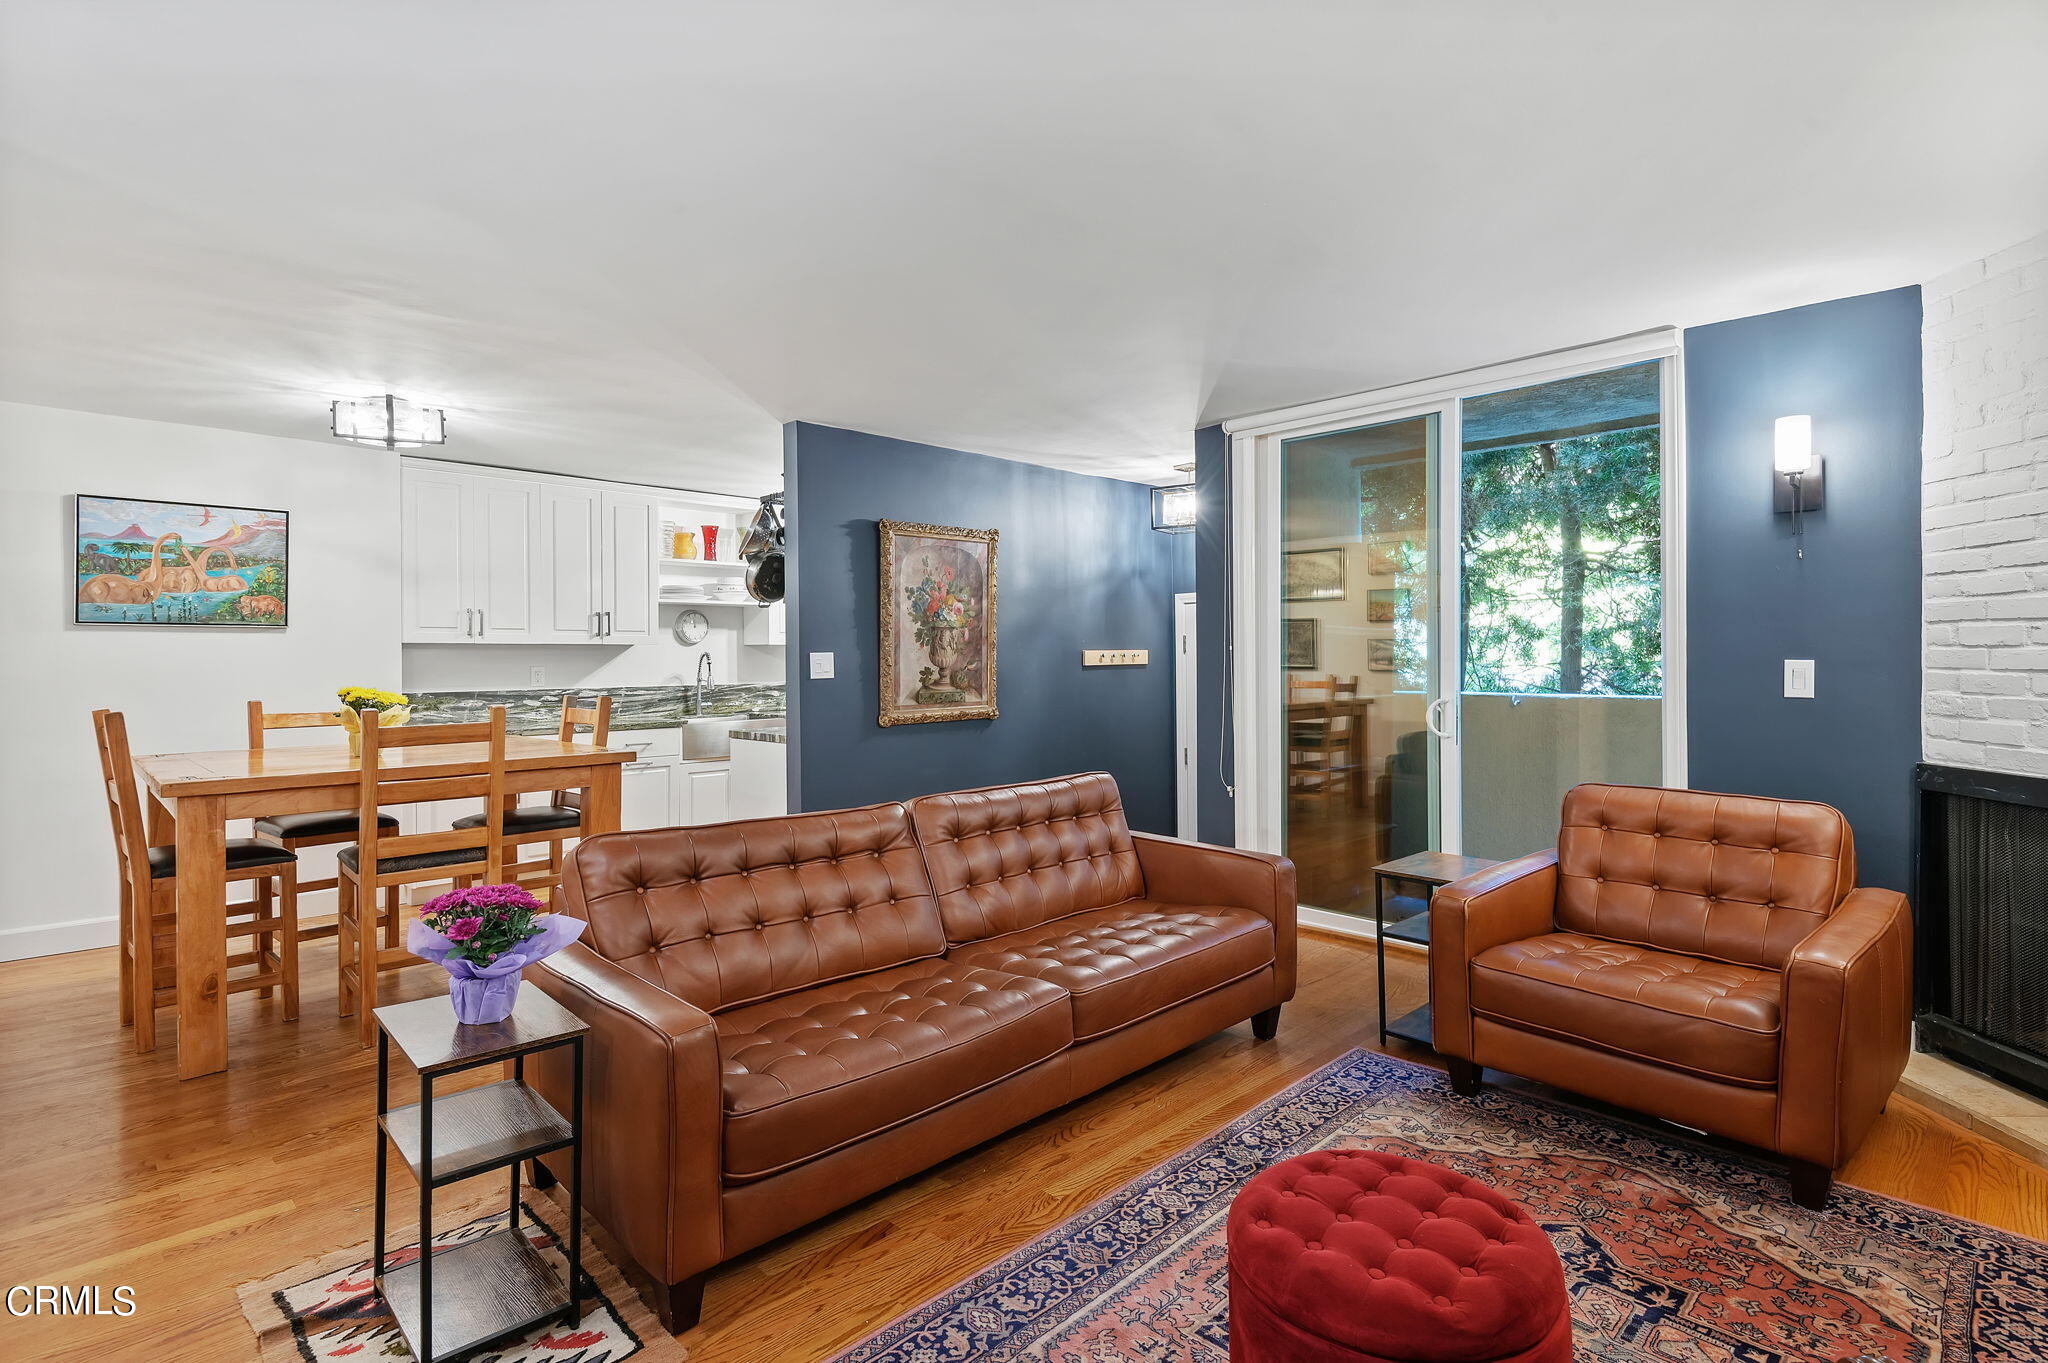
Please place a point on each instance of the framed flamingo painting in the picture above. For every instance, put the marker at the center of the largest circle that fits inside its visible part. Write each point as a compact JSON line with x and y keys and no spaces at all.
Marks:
{"x":938,"y":606}
{"x":181,"y":563}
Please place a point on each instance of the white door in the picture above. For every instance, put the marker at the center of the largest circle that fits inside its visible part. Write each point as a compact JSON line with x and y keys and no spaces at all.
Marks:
{"x":708,"y":794}
{"x":435,"y":563}
{"x":1184,"y":715}
{"x":506,"y":516}
{"x":630,"y":595}
{"x":571,"y":533}
{"x":646,"y":794}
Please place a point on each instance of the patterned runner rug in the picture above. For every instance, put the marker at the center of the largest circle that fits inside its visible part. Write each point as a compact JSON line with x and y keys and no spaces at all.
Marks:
{"x":1675,"y":1251}
{"x":328,"y":1310}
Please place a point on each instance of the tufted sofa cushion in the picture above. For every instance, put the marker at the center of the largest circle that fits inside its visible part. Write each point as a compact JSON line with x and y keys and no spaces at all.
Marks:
{"x":1710,"y":1017}
{"x":1012,"y":857}
{"x":805,"y":1073}
{"x":1721,"y":876}
{"x":1124,"y":963}
{"x":1357,"y":1254}
{"x":727,"y":914}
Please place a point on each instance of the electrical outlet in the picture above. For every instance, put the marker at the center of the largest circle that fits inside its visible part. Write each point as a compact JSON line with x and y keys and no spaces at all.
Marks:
{"x":538,"y":676}
{"x":1799,"y":679}
{"x":1115,"y":657}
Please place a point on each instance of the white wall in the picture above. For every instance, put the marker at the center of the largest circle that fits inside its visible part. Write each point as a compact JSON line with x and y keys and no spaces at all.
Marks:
{"x":1984,"y":344}
{"x":181,"y":687}
{"x":445,"y":667}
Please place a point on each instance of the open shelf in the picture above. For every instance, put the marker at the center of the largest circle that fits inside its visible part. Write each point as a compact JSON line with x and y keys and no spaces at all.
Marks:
{"x":477,"y":1130}
{"x":707,"y":567}
{"x":1414,"y":928}
{"x":493,"y":1286}
{"x":1413,"y":1025}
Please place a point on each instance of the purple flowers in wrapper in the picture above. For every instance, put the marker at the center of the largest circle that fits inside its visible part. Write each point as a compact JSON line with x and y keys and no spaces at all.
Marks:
{"x":486,"y":992}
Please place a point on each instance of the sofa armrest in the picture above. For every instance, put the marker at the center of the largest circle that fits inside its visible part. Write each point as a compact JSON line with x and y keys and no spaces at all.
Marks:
{"x":1180,"y":872}
{"x":1847,"y":1008}
{"x":1501,"y":904}
{"x":653,"y":1115}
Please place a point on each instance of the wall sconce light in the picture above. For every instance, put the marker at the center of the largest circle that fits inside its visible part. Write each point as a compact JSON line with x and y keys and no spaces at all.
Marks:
{"x":389,"y":421}
{"x":1797,"y":479}
{"x":1173,"y":506}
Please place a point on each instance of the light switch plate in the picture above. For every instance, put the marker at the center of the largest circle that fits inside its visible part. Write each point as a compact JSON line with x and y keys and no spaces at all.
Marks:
{"x":1115,"y":657}
{"x":1799,"y":679}
{"x":821,"y":666}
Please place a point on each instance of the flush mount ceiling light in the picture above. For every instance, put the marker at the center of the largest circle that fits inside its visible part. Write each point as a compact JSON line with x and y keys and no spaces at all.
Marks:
{"x":389,"y":421}
{"x":1173,"y":506}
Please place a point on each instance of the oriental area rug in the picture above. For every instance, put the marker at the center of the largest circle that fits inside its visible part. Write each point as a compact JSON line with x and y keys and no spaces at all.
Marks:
{"x":1674,"y":1251}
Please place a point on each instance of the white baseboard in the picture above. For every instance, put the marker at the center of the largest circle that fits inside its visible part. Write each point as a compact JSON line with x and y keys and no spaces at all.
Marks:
{"x":54,"y":939}
{"x":1328,"y":920}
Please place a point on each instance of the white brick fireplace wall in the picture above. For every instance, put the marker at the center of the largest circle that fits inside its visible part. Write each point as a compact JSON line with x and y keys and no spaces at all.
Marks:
{"x":1984,"y":525}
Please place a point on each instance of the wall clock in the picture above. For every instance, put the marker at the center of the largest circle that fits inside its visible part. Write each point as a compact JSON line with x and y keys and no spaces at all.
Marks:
{"x":691,"y":627}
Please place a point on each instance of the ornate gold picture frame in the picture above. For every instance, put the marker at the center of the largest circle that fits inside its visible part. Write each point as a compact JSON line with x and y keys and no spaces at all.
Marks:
{"x":938,"y":609}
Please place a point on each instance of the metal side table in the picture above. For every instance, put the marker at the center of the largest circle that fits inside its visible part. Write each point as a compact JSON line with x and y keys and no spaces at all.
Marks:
{"x":1431,"y":869}
{"x":498,"y":1285}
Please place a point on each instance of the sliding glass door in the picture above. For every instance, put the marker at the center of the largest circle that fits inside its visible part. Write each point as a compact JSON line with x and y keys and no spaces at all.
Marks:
{"x":1472,"y":618}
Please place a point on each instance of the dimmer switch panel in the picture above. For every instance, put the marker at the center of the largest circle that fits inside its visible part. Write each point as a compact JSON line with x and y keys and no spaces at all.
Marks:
{"x":1799,"y":679}
{"x":1115,"y":657}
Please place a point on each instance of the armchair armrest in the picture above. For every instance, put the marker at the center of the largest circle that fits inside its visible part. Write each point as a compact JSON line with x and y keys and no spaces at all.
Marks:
{"x":653,"y":1113}
{"x":1181,"y":872}
{"x":1847,"y":1006}
{"x":1501,"y":904}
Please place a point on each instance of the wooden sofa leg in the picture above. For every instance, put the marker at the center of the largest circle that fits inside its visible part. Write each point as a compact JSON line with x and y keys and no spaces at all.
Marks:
{"x":1266,"y":1025}
{"x":1465,"y":1076}
{"x":679,"y":1304}
{"x":1811,"y":1183}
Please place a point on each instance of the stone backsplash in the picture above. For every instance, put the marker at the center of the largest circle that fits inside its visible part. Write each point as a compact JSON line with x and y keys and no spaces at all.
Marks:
{"x":538,"y":710}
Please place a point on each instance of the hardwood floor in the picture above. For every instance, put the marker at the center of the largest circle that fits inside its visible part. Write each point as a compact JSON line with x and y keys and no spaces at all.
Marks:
{"x":120,"y":1174}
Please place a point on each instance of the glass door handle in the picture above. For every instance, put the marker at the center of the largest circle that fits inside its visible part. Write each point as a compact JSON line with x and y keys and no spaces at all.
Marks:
{"x":1431,"y":716}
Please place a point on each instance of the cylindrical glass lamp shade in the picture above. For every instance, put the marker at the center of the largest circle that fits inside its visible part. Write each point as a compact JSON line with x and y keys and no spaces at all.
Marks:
{"x":1793,"y":447}
{"x":1173,"y":508}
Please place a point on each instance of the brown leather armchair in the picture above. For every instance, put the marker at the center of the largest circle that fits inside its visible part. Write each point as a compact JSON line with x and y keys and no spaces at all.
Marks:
{"x":1702,"y":958}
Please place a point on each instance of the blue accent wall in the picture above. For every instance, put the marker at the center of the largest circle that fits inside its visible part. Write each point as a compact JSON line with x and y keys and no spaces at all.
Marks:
{"x":1216,"y":820}
{"x":1078,"y":566}
{"x":1852,"y":605}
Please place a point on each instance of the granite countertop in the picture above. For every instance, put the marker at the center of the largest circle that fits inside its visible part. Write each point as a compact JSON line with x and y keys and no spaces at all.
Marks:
{"x":538,"y":709}
{"x":774,"y":731}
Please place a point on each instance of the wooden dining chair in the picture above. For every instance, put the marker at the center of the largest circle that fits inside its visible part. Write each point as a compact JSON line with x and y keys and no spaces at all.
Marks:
{"x":1320,"y":752}
{"x":561,"y":819}
{"x":149,"y":901}
{"x":384,"y":860}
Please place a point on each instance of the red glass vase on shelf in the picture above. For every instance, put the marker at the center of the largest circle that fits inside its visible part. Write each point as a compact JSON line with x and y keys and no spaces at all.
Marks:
{"x":710,"y":541}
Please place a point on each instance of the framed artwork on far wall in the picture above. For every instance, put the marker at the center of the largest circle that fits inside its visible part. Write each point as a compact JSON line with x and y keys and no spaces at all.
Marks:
{"x":1301,"y":644}
{"x":180,"y":563}
{"x":1384,"y":605}
{"x":1379,"y":655}
{"x":938,"y":606}
{"x":1312,"y":575}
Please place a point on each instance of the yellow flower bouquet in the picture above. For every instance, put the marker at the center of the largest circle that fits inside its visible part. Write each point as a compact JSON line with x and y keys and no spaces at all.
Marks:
{"x":391,"y":709}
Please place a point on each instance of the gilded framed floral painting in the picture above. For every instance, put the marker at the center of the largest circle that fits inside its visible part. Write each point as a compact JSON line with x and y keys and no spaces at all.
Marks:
{"x":938,"y":600}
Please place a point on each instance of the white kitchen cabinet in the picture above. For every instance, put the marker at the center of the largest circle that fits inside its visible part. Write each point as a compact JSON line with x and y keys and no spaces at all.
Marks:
{"x":765,"y":625}
{"x":469,"y":547}
{"x":706,"y":793}
{"x":630,"y":569}
{"x":571,"y":561}
{"x":647,"y":794}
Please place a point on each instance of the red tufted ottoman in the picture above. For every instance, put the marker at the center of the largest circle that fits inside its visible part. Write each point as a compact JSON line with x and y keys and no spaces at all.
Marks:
{"x":1352,"y":1256}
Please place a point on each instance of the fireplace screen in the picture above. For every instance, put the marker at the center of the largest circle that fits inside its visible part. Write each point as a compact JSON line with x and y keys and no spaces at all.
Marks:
{"x":1983,"y":922}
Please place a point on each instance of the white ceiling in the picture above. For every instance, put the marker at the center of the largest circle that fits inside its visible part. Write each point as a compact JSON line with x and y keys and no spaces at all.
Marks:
{"x":630,"y":238}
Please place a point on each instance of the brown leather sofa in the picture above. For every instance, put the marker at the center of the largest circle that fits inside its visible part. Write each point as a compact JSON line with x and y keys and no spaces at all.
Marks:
{"x":788,"y":1014}
{"x":1702,"y":958}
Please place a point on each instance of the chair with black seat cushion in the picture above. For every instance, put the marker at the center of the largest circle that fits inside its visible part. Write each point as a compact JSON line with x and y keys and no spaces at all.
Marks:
{"x":561,"y":819}
{"x":385,"y":860}
{"x":149,"y":901}
{"x":323,"y":828}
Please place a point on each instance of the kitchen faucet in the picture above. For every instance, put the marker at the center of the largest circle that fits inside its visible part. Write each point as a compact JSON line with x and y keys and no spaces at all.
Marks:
{"x":703,"y":675}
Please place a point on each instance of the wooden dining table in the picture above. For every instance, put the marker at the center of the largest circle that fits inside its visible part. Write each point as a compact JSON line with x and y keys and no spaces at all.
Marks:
{"x":193,"y":796}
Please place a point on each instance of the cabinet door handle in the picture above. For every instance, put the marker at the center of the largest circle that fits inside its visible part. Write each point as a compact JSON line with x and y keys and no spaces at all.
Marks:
{"x":607,"y":623}
{"x":479,"y":622}
{"x":469,"y":623}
